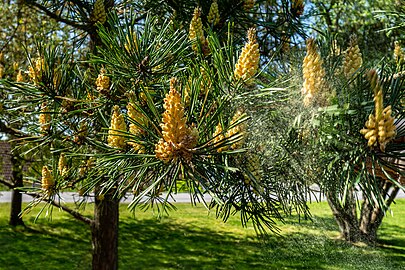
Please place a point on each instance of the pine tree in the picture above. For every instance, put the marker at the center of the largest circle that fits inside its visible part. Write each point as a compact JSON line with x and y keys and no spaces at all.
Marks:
{"x":17,"y":24}
{"x":179,"y":91}
{"x":353,"y":143}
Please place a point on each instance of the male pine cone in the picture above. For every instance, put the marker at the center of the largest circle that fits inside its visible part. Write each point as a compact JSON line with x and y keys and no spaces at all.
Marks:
{"x":47,"y":182}
{"x":315,"y":86}
{"x":36,"y":70}
{"x":213,"y":15}
{"x":118,"y":126}
{"x":196,"y":33}
{"x":352,"y":60}
{"x":99,"y":15}
{"x":253,"y":166}
{"x":103,"y":81}
{"x":219,"y":138}
{"x":135,"y":129}
{"x":178,"y":139}
{"x":248,"y":62}
{"x":62,"y":165}
{"x":380,"y":128}
{"x":44,"y":119}
{"x":399,"y":55}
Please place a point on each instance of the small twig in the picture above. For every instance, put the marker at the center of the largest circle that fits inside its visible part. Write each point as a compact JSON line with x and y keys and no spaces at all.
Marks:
{"x":11,"y":131}
{"x":57,"y":17}
{"x":15,"y":30}
{"x":72,"y":212}
{"x":6,"y":183}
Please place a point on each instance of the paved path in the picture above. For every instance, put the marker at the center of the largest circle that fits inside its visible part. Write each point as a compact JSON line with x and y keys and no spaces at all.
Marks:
{"x":69,"y":197}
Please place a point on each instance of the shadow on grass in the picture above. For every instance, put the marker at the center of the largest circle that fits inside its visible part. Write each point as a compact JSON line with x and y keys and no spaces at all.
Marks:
{"x":315,"y":223}
{"x":303,"y":250}
{"x":46,"y":245}
{"x":166,"y":245}
{"x":149,"y":244}
{"x":392,"y":239}
{"x":170,"y":246}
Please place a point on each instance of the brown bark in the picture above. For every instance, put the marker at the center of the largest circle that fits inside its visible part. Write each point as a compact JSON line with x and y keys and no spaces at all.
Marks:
{"x":16,"y":207}
{"x":363,"y":228}
{"x":345,"y":216}
{"x":372,"y":215}
{"x":16,"y":196}
{"x":105,"y":233}
{"x":104,"y":228}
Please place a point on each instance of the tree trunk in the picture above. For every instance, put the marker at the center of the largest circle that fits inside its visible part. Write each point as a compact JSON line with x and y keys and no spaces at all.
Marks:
{"x":345,"y":216}
{"x":16,"y":201}
{"x":105,"y":233}
{"x":354,"y":229}
{"x":372,"y":215}
{"x":16,"y":196}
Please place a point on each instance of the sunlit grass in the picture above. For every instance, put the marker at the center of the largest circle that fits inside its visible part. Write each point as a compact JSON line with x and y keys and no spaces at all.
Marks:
{"x":191,"y":238}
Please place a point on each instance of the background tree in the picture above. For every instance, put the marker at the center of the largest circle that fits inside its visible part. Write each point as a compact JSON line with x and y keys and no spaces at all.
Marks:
{"x":20,"y":29}
{"x":351,"y":123}
{"x":366,"y":19}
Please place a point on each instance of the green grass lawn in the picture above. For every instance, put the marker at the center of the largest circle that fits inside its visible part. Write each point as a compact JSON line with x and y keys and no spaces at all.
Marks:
{"x":190,"y":238}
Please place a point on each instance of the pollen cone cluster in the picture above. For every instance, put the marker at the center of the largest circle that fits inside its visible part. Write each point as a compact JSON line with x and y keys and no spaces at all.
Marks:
{"x":44,"y":119}
{"x":47,"y":182}
{"x":86,"y":166}
{"x":315,"y":85}
{"x":248,"y":4}
{"x":178,"y":139}
{"x":62,"y":165}
{"x":297,"y":7}
{"x":115,"y":135}
{"x":103,"y":81}
{"x":206,"y":83}
{"x":352,"y":60}
{"x":253,"y":166}
{"x":239,"y":129}
{"x":36,"y":70}
{"x":219,"y":137}
{"x":248,"y":62}
{"x":137,"y":116}
{"x":196,"y":33}
{"x":20,"y":76}
{"x":99,"y":14}
{"x":213,"y":15}
{"x":398,"y":53}
{"x":380,"y":128}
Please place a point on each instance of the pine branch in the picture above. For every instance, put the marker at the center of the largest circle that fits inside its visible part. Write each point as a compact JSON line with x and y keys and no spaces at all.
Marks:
{"x":83,"y":7}
{"x":14,"y":32}
{"x":173,"y":5}
{"x":58,"y":17}
{"x":72,"y":212}
{"x":11,"y":131}
{"x":6,"y":183}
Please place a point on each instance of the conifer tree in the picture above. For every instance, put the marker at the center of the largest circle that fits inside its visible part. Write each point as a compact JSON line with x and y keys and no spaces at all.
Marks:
{"x":352,"y":142}
{"x":153,"y":104}
{"x":17,"y":26}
